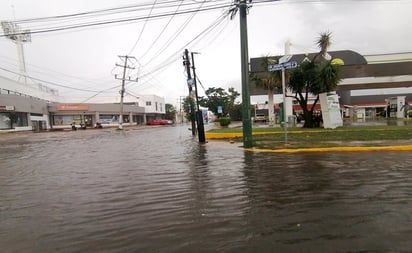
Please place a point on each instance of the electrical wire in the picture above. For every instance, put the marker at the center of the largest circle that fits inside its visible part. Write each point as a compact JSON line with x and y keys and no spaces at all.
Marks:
{"x":102,"y":12}
{"x":52,"y":73}
{"x":48,"y":82}
{"x":118,"y":20}
{"x":162,"y":48}
{"x":144,"y":26}
{"x":147,"y":84}
{"x":97,"y":92}
{"x":174,"y":36}
{"x":175,"y":56}
{"x":163,"y":30}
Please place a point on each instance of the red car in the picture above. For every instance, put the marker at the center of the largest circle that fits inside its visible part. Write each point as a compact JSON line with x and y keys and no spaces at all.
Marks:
{"x":158,"y":122}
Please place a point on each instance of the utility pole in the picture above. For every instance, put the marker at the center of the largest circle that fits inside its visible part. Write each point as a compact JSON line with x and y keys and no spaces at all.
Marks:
{"x":186,"y":63}
{"x":246,"y":118}
{"x":199,"y":114}
{"x":125,"y":59}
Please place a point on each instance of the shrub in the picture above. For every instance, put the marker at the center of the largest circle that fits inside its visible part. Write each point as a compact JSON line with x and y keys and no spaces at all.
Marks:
{"x":224,"y":121}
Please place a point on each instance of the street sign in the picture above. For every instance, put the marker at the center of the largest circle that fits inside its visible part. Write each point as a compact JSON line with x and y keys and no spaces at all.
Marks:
{"x":275,"y":67}
{"x":286,"y":65}
{"x":285,"y":58}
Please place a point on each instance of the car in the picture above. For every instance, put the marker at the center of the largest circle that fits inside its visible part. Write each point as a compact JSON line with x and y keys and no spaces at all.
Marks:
{"x":260,"y":118}
{"x":159,"y":122}
{"x":154,"y":122}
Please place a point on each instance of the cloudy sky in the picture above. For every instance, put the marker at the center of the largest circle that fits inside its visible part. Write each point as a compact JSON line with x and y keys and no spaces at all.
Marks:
{"x":81,"y":62}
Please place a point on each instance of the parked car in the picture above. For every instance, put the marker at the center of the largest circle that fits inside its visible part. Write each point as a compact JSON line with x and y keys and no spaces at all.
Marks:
{"x":159,"y":122}
{"x":154,"y":122}
{"x":260,"y":118}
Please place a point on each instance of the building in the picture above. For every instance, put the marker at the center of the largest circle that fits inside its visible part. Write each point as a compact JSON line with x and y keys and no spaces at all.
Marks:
{"x":37,"y":107}
{"x":368,"y":82}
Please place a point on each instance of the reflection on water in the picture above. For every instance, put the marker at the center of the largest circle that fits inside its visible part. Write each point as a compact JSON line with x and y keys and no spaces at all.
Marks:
{"x":158,"y":190}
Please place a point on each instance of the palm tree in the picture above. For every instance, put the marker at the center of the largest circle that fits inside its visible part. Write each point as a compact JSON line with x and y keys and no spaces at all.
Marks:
{"x":270,"y":81}
{"x":323,"y":42}
{"x":314,"y":77}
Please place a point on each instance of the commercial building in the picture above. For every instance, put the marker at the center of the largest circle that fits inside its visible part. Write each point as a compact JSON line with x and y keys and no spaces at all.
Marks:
{"x":37,"y":107}
{"x":370,"y":84}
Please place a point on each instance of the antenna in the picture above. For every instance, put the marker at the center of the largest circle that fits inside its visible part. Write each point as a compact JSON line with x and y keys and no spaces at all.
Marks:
{"x":15,"y":34}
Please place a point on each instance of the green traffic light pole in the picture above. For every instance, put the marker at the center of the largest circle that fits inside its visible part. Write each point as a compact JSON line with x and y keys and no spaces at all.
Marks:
{"x":246,"y":117}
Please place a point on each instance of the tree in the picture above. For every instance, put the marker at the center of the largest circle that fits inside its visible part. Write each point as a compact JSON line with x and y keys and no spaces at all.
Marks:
{"x":170,"y":112}
{"x":314,"y":77}
{"x":236,"y":112}
{"x":219,"y":98}
{"x":188,"y":103}
{"x":271,"y":81}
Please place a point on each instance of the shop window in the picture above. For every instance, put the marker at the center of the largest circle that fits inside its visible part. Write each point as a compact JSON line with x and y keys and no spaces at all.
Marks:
{"x":108,"y":119}
{"x":10,"y":120}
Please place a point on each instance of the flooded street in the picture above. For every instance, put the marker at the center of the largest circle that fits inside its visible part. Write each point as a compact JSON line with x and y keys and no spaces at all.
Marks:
{"x":157,"y":190}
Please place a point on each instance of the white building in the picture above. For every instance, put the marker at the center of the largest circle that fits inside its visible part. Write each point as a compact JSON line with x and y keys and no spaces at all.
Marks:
{"x":38,"y":107}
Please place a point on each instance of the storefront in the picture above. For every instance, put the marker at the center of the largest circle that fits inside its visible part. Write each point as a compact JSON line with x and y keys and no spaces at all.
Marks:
{"x":18,"y":113}
{"x":65,"y":115}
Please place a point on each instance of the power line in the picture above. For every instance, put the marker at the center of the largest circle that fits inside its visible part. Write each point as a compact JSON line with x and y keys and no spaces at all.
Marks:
{"x":107,"y":11}
{"x":164,"y":29}
{"x":174,"y":36}
{"x":144,"y":26}
{"x":177,"y":54}
{"x":52,"y":73}
{"x":167,"y":62}
{"x":48,"y":82}
{"x":122,"y":20}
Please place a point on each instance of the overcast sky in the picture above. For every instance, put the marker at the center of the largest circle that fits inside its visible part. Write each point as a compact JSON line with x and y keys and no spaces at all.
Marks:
{"x":86,"y":58}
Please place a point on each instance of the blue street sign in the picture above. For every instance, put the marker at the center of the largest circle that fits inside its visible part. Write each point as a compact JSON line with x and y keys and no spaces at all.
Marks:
{"x":286,"y":65}
{"x":275,"y":67}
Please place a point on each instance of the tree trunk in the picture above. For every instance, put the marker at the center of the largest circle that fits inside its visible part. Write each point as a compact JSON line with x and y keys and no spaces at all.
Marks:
{"x":307,"y":115}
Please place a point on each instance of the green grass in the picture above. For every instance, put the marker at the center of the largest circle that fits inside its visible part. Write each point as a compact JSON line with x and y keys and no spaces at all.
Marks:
{"x":319,"y":137}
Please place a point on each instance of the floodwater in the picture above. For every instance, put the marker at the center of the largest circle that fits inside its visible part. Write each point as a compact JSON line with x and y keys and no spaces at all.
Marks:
{"x":157,"y":190}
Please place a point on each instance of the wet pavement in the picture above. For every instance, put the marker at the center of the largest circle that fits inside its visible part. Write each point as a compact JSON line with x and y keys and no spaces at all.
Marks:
{"x":157,"y":190}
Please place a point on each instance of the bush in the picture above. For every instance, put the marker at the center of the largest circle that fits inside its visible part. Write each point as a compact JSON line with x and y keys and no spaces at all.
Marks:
{"x":224,"y":121}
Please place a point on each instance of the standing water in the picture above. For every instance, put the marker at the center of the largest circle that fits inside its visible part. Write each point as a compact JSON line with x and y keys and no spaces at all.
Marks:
{"x":158,"y":190}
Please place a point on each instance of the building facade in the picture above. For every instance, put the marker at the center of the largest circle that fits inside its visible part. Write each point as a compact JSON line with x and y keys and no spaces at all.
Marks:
{"x":37,"y":107}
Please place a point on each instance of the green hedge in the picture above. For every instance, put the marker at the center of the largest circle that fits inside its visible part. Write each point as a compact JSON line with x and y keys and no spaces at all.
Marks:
{"x":224,"y":121}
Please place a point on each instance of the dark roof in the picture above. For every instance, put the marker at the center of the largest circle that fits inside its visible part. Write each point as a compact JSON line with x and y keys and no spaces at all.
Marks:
{"x":349,"y":58}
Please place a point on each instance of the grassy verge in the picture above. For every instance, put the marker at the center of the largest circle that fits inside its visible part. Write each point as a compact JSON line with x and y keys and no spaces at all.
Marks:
{"x":274,"y":138}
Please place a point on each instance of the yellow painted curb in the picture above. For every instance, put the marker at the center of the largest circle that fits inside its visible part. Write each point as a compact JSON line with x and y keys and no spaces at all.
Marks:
{"x":223,"y":135}
{"x":233,"y":135}
{"x":210,"y":136}
{"x":334,"y":149}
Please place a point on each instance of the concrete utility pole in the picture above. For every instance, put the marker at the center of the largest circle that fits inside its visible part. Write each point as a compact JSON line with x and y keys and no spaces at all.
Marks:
{"x":246,"y":118}
{"x":186,"y":63}
{"x":199,"y":114}
{"x":125,"y":59}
